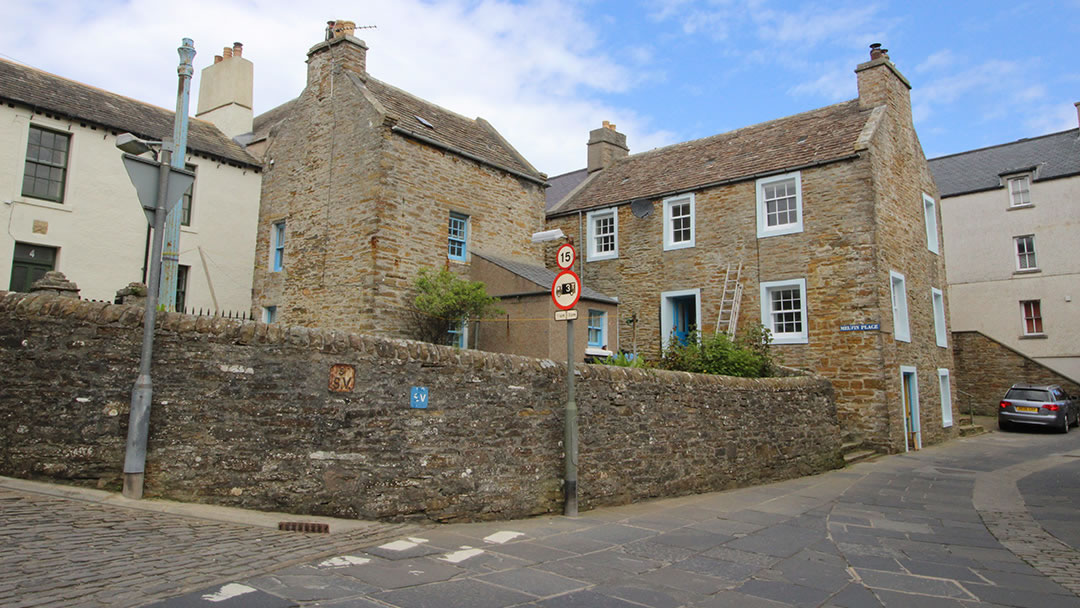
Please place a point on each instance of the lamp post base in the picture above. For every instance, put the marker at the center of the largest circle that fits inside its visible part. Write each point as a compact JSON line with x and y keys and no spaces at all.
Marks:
{"x":133,"y":485}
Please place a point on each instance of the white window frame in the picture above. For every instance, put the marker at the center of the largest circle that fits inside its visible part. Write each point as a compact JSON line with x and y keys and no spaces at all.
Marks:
{"x":801,"y":337}
{"x":592,"y":255}
{"x":669,"y":230}
{"x":945,"y":388}
{"x":1020,"y":256}
{"x":1026,"y":179}
{"x":1024,"y":319}
{"x":763,"y":229}
{"x":937,"y":301}
{"x":901,"y":324}
{"x":930,"y":216}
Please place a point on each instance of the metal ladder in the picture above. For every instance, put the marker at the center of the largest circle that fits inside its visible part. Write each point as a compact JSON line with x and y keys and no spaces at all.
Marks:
{"x":728,"y":317}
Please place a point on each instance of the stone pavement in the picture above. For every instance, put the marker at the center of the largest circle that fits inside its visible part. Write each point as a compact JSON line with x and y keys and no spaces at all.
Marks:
{"x":981,"y":521}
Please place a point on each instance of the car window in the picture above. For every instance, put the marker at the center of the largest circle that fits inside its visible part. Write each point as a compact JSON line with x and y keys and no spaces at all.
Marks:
{"x":1027,"y":394}
{"x":1058,"y":395}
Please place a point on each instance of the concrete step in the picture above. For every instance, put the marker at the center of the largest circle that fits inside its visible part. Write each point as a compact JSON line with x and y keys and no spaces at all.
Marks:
{"x":850,"y":446}
{"x":859,"y":456}
{"x":967,"y":430}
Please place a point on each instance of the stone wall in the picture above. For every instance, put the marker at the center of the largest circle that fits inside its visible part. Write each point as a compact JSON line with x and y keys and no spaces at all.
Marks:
{"x":244,"y":415}
{"x":986,"y":368}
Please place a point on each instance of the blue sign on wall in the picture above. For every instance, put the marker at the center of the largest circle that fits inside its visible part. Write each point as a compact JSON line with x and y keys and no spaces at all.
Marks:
{"x":861,"y":327}
{"x":419,"y":397}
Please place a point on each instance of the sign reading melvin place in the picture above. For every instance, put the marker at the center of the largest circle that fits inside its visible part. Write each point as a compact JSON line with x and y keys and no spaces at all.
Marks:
{"x":861,"y":327}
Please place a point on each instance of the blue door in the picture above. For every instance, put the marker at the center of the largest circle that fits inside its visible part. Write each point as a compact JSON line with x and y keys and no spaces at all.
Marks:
{"x":684,"y":317}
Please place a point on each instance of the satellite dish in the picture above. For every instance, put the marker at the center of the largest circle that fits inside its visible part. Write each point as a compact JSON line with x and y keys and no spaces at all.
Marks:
{"x":641,"y":207}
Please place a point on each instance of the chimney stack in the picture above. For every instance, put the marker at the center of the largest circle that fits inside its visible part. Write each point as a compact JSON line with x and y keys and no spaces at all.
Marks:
{"x":350,"y":54}
{"x":881,"y":83}
{"x":225,"y":92}
{"x":606,"y":145}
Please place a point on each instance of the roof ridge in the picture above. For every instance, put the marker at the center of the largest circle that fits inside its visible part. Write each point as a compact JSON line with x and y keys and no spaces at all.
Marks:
{"x":1002,"y":145}
{"x":90,"y":86}
{"x":747,"y":127}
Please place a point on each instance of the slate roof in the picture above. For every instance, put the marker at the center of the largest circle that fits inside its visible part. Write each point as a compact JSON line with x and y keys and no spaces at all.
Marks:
{"x":1051,"y":156}
{"x":449,"y":129}
{"x":819,"y":136}
{"x":541,"y":276}
{"x":561,"y":185}
{"x":46,"y":92}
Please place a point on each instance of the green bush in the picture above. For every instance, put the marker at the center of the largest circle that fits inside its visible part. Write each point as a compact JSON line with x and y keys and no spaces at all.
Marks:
{"x":625,"y":360}
{"x":443,"y":301}
{"x":747,"y":355}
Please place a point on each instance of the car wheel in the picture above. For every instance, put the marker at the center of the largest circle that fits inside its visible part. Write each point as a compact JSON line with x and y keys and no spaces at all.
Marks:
{"x":1003,"y":425}
{"x":1064,"y":428}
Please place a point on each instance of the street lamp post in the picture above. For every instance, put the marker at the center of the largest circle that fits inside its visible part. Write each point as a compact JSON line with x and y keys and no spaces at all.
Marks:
{"x":171,"y":247}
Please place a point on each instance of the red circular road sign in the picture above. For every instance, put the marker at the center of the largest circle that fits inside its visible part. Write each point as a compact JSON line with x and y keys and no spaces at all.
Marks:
{"x":566,"y":290}
{"x":565,"y":256}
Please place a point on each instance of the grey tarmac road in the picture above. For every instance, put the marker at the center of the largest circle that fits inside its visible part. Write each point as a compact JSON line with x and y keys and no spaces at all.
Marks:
{"x":986,"y":521}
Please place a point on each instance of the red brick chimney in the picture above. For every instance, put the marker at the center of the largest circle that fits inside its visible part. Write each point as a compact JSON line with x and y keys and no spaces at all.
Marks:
{"x":606,"y":145}
{"x":340,"y":50}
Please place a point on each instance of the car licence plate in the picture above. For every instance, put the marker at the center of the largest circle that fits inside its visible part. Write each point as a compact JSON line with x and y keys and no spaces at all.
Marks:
{"x":1021,"y":408}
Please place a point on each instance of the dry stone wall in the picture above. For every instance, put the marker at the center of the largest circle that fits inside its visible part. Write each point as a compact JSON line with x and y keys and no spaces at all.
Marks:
{"x":320,"y":422}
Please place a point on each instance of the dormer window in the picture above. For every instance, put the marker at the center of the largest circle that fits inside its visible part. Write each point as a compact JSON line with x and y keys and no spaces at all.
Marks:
{"x":1019,"y":191}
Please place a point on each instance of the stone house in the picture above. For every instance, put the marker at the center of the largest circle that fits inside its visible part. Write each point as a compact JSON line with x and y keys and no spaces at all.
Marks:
{"x":1009,"y":214}
{"x":830,"y":221}
{"x":70,"y":206}
{"x":365,"y":184}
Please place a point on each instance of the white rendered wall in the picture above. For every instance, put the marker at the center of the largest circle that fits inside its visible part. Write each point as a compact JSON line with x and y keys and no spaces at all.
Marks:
{"x":100,"y":229}
{"x":985,"y":287}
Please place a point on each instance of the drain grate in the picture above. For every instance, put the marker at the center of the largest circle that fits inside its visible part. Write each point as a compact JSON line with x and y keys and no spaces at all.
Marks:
{"x":303,"y":526}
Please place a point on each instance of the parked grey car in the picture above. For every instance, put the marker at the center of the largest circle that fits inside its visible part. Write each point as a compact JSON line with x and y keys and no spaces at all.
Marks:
{"x":1038,"y":405}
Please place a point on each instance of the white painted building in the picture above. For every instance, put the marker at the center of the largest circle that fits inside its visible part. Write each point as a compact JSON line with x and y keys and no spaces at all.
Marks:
{"x":1011,"y":222}
{"x":67,"y":204}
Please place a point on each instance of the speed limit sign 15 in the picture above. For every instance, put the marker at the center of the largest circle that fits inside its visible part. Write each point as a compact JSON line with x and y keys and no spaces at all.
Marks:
{"x":565,"y":256}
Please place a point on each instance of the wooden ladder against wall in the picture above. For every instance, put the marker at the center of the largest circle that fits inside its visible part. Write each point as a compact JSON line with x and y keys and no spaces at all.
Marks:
{"x":728,"y":317}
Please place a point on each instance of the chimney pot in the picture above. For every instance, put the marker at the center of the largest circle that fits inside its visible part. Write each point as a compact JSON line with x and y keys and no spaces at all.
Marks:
{"x":875,"y":51}
{"x":226,"y":52}
{"x":237,"y":49}
{"x":1077,"y":104}
{"x":218,"y":58}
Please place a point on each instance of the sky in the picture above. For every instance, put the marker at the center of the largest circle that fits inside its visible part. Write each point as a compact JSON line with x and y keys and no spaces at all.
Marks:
{"x":546,"y":72}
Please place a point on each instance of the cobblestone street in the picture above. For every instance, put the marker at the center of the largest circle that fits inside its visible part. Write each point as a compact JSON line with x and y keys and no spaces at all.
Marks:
{"x":984,"y":521}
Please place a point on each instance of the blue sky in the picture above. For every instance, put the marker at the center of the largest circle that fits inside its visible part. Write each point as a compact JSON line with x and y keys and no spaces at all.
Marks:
{"x":545,"y":72}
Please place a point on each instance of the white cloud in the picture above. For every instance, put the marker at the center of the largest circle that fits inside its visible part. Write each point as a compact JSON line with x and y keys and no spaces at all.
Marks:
{"x":1051,"y":118}
{"x":836,"y":83}
{"x":813,"y":25}
{"x":536,"y":63}
{"x":940,"y":60}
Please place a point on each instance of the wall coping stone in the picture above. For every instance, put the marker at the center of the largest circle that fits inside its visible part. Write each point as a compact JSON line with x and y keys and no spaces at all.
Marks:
{"x":44,"y":305}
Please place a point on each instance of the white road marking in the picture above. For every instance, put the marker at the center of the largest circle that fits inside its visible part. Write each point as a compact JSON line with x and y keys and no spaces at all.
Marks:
{"x":502,"y":537}
{"x":228,"y":592}
{"x":344,"y":561}
{"x":459,"y":556}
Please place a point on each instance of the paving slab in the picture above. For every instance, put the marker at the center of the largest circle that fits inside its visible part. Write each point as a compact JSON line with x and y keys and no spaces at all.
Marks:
{"x":468,"y":593}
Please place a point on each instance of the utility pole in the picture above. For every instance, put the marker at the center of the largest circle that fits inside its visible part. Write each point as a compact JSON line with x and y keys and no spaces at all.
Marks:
{"x":170,"y":254}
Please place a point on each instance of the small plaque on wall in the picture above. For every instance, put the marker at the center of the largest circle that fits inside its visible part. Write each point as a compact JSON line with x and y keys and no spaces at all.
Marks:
{"x":342,"y":378}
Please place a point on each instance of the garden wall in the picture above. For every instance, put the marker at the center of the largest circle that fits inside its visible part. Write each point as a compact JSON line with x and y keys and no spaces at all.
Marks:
{"x":321,"y":422}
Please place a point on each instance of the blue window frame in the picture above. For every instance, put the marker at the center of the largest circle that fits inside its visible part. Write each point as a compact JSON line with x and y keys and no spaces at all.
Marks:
{"x":278,"y":242}
{"x":458,"y":335}
{"x":269,"y":314}
{"x":456,"y":236}
{"x":597,"y":324}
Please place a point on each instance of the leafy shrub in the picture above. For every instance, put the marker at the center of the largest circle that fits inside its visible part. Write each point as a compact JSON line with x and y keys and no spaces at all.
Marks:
{"x":747,"y":355}
{"x":625,"y":360}
{"x":443,"y":301}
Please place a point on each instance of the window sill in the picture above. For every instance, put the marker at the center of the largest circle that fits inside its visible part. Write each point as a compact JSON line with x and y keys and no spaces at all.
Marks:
{"x":790,"y":340}
{"x":677,"y":246}
{"x":44,"y":204}
{"x":780,"y":231}
{"x":594,"y":351}
{"x":1033,"y":337}
{"x":601,"y":258}
{"x":189,"y":229}
{"x":1016,"y":207}
{"x":1027,"y":271}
